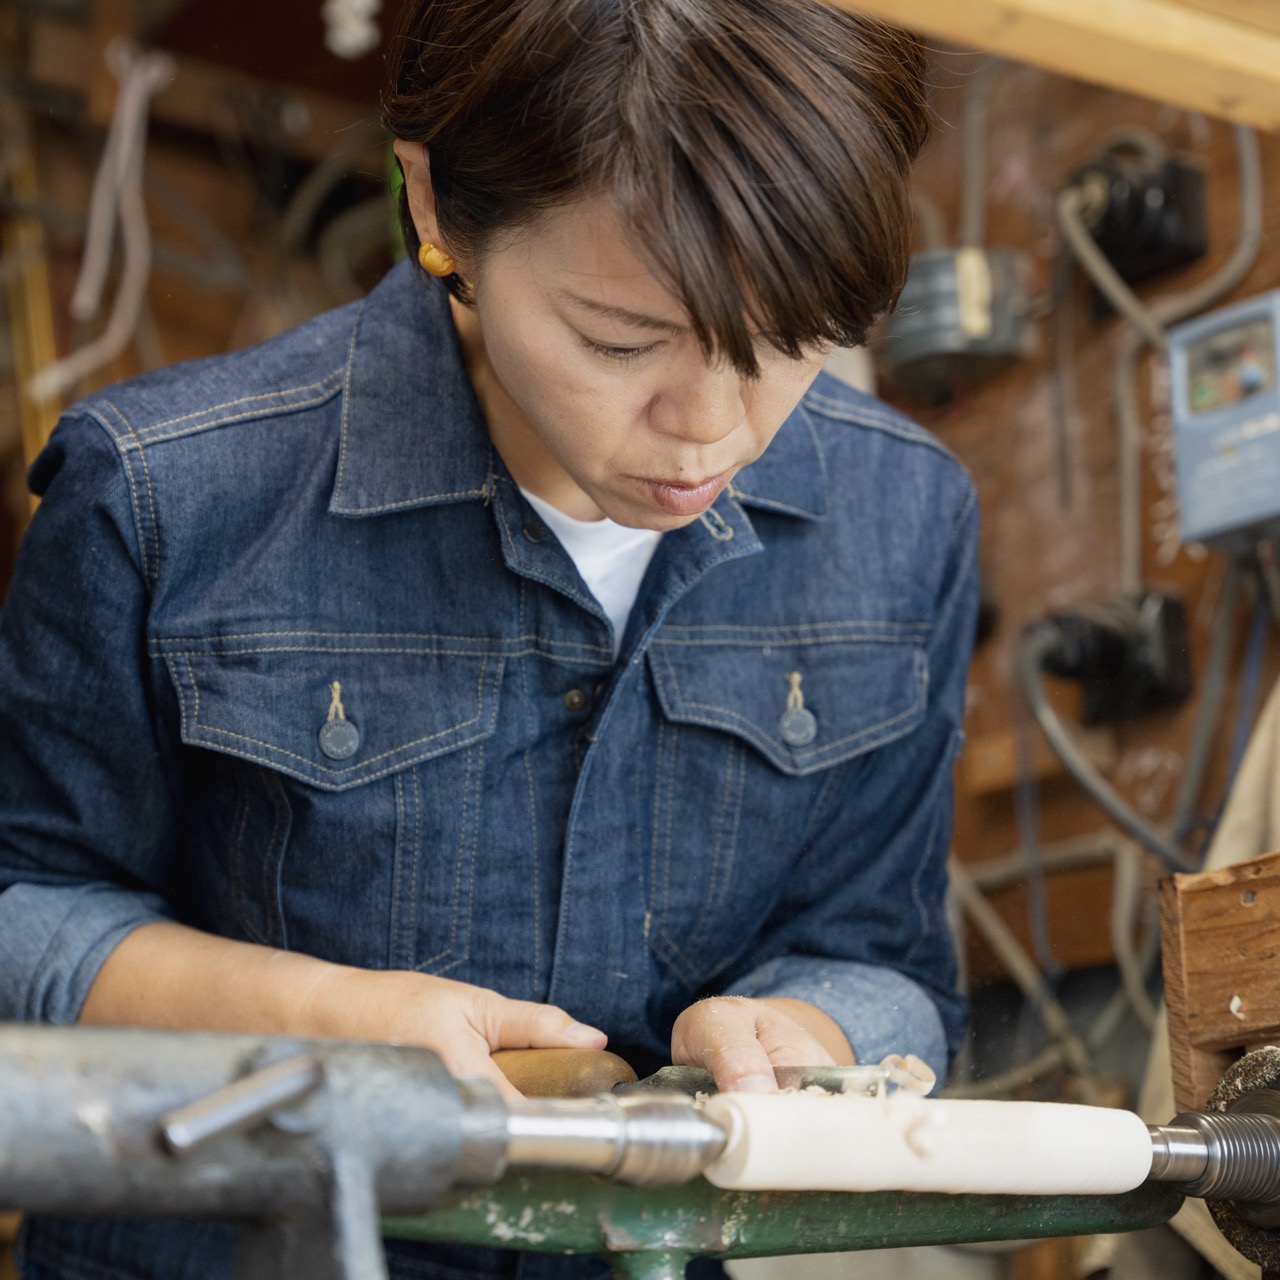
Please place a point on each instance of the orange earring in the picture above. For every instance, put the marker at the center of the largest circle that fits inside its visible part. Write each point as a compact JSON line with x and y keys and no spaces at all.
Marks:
{"x":435,"y":261}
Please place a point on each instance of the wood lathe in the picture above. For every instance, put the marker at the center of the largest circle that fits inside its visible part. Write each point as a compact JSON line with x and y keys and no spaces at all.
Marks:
{"x":319,"y":1148}
{"x":309,"y":1144}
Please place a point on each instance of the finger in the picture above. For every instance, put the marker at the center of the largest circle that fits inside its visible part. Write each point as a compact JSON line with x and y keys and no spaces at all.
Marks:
{"x":720,"y":1035}
{"x":522,"y":1024}
{"x":788,"y":1044}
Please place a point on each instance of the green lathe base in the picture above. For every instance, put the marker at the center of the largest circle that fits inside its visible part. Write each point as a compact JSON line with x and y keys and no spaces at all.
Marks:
{"x":649,"y":1234}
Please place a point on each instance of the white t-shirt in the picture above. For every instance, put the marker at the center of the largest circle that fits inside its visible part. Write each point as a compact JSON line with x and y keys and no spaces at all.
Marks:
{"x":611,"y":558}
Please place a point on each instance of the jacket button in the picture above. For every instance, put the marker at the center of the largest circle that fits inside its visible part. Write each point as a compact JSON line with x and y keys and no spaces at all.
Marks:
{"x":576,"y":700}
{"x":799,"y":726}
{"x":339,"y":739}
{"x":533,"y":532}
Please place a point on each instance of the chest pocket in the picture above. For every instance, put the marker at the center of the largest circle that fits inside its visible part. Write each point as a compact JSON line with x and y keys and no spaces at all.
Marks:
{"x":278,"y":709}
{"x":339,"y":811}
{"x":751,"y":733}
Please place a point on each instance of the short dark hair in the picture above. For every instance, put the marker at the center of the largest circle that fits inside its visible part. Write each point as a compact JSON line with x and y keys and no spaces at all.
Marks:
{"x":757,"y":151}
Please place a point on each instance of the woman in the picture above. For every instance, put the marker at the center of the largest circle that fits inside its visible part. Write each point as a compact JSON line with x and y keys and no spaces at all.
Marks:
{"x":551,"y":656}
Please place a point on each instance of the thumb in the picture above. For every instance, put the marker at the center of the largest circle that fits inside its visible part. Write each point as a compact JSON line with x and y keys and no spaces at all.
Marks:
{"x":467,"y":1056}
{"x":522,"y":1024}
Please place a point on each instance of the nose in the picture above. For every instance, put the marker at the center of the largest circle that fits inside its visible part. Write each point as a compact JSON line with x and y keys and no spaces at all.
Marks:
{"x":702,"y":407}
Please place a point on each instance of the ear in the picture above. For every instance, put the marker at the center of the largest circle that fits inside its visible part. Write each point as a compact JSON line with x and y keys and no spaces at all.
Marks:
{"x":417,"y":183}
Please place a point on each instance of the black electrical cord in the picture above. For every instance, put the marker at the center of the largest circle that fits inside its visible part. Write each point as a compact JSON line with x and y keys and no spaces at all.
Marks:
{"x":1040,"y":644}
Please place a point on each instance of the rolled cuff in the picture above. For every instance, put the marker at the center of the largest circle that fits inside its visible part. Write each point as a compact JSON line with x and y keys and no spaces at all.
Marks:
{"x":56,"y":939}
{"x":879,"y":1010}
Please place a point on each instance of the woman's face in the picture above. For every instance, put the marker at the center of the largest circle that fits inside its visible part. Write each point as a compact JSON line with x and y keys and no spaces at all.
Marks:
{"x":599,"y":397}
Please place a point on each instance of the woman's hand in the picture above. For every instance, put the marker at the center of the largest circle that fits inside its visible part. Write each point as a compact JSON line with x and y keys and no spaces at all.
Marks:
{"x":171,"y":976}
{"x":462,"y":1024}
{"x":740,"y":1041}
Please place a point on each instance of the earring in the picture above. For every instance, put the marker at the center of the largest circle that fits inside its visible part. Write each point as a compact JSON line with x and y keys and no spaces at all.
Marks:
{"x":435,"y":261}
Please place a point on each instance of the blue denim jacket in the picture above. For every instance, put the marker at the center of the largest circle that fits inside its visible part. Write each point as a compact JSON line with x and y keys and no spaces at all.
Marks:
{"x":222,"y":542}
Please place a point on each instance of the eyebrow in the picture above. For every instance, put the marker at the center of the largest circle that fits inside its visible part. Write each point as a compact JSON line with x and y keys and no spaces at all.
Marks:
{"x":635,"y":318}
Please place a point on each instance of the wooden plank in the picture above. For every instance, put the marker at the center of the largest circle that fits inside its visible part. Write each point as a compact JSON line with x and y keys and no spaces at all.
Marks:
{"x":27,"y":288}
{"x":1263,"y":14}
{"x":8,"y":1233}
{"x":201,"y":95}
{"x":1195,"y":1073}
{"x":1231,"y":940}
{"x":1046,"y":1260}
{"x":1158,"y":48}
{"x":991,"y":762}
{"x":1220,"y":939}
{"x":109,"y":20}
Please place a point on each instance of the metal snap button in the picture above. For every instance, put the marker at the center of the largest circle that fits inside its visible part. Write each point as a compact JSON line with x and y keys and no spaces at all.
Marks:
{"x":576,"y":700}
{"x":533,"y":531}
{"x":339,"y":739}
{"x":799,"y":726}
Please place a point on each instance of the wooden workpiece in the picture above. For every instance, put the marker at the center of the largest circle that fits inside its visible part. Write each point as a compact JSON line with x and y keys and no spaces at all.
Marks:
{"x":563,"y":1073}
{"x":1220,"y":934}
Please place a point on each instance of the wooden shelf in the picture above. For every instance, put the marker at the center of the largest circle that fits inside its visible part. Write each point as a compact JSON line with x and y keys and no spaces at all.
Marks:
{"x":1221,"y":57}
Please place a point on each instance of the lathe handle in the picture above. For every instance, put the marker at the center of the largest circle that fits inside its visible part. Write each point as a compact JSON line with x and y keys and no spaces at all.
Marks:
{"x":563,"y":1073}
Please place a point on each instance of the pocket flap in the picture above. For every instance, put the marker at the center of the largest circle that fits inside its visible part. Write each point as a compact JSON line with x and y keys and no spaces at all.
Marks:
{"x":271,"y":707}
{"x":853,"y":695}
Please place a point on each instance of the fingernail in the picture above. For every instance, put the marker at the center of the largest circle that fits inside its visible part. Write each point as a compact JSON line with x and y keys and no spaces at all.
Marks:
{"x":580,"y":1033}
{"x":754,"y":1084}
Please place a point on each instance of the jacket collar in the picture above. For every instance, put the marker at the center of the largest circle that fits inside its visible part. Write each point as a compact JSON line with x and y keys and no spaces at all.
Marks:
{"x":412,"y":431}
{"x":413,"y":434}
{"x":790,"y":477}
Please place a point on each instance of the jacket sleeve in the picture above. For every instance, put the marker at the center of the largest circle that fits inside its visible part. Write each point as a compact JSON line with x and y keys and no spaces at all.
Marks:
{"x":861,"y":930}
{"x":88,"y":784}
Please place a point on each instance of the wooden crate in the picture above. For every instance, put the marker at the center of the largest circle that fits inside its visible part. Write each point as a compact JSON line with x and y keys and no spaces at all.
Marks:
{"x":1220,"y":934}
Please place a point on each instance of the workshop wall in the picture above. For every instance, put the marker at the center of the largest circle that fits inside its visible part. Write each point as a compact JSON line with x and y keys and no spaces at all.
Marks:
{"x":1039,"y":552}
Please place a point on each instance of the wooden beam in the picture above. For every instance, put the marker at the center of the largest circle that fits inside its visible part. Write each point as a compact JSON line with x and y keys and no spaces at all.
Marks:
{"x":1263,"y":14}
{"x":1160,"y":49}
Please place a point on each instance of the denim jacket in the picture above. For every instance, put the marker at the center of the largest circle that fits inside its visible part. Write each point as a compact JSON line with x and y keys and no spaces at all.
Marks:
{"x":288,"y":657}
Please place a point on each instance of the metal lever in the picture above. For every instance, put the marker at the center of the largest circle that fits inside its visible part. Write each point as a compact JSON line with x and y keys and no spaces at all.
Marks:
{"x":242,"y":1105}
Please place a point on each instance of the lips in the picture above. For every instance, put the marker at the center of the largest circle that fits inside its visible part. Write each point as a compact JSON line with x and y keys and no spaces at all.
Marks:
{"x":679,"y":498}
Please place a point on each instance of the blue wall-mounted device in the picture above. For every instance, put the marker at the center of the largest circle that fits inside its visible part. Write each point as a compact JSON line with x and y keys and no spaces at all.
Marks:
{"x":1226,"y":422}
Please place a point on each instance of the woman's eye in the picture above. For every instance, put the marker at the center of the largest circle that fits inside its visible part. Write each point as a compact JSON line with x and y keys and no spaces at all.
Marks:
{"x":617,"y":353}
